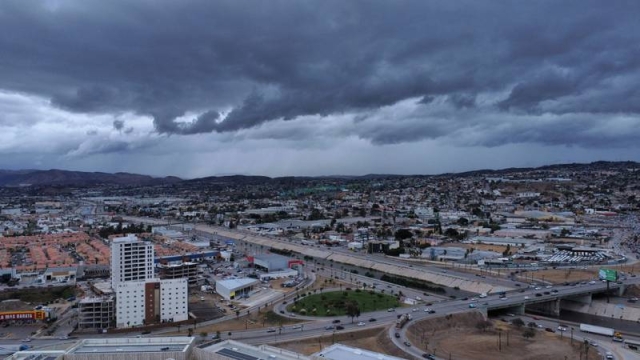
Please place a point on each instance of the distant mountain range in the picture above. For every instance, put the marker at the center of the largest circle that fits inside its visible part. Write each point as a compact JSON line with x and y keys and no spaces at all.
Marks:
{"x":63,"y":177}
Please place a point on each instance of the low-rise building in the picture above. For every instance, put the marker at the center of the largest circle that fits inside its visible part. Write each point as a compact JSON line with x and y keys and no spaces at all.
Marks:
{"x":96,"y":313}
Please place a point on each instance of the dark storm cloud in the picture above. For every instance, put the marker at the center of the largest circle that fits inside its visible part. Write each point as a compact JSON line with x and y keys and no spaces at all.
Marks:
{"x":257,"y":62}
{"x":118,"y":124}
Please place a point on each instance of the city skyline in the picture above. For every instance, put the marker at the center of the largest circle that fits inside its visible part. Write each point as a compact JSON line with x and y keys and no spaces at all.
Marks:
{"x":310,"y":88}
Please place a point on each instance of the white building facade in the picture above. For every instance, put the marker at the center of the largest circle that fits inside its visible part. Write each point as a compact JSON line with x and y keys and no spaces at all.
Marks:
{"x":142,"y":299}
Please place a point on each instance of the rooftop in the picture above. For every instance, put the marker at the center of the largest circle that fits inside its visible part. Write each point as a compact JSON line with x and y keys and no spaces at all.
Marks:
{"x":231,"y":349}
{"x":343,"y":352}
{"x":233,"y":284}
{"x":132,"y":345}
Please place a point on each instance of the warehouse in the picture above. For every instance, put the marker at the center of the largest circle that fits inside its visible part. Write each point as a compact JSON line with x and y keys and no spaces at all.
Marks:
{"x":236,"y":288}
{"x":233,"y":350}
{"x":178,"y":348}
{"x":271,"y":262}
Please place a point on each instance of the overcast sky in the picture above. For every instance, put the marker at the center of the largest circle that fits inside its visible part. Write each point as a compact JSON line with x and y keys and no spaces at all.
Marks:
{"x":196,"y":88}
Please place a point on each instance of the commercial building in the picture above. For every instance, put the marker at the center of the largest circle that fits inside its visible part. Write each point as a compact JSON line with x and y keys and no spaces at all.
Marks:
{"x":271,"y":262}
{"x":236,"y":288}
{"x":234,"y":350}
{"x":129,"y":348}
{"x":131,"y":260}
{"x":142,"y":299}
{"x":187,"y":270}
{"x":96,"y":313}
{"x":343,"y":352}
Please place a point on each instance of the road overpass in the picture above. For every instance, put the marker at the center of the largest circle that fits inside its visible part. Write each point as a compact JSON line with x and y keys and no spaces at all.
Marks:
{"x":253,"y":243}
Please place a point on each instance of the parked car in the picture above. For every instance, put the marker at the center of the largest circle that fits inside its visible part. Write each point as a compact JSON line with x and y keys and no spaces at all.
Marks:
{"x":397,"y":335}
{"x":336,"y":321}
{"x":339,"y":327}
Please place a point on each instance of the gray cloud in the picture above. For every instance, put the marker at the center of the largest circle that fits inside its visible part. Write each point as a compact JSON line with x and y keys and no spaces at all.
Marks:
{"x":118,"y":124}
{"x":548,"y":64}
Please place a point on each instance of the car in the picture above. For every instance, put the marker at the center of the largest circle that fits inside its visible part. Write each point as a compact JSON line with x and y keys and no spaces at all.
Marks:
{"x":526,"y":298}
{"x":472,"y":305}
{"x":328,"y":327}
{"x":292,"y":315}
{"x":391,"y":310}
{"x":295,"y":327}
{"x":548,"y":286}
{"x":429,"y":356}
{"x":549,"y":330}
{"x":518,"y":285}
{"x":26,"y":340}
{"x":63,"y":337}
{"x":473,"y":299}
{"x":339,"y":327}
{"x":406,"y":343}
{"x":427,"y":310}
{"x":372,"y":320}
{"x":562,"y":328}
{"x":271,"y":330}
{"x":397,"y":335}
{"x":431,"y":311}
{"x":414,"y":309}
{"x":554,"y":291}
{"x":538,"y":294}
{"x":361,"y":323}
{"x":336,"y":321}
{"x":281,"y":311}
{"x":537,"y":288}
{"x":503,"y":298}
{"x":547,"y":293}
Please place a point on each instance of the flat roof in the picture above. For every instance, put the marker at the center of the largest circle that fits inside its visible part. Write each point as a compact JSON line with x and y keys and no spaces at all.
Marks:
{"x":132,"y":345}
{"x":233,"y":284}
{"x":231,"y":349}
{"x":343,"y":352}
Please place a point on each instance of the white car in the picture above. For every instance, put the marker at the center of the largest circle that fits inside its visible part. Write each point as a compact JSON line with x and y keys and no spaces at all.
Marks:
{"x":362,"y":323}
{"x":503,"y":298}
{"x":526,"y":298}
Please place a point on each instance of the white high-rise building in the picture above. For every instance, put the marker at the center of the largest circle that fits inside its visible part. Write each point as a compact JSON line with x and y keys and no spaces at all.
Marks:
{"x":141,"y":298}
{"x":131,"y":260}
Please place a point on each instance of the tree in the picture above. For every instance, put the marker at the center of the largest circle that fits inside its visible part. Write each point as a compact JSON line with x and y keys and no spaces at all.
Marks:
{"x":451,"y":233}
{"x":402,"y":234}
{"x":352,"y":309}
{"x":483,"y":325}
{"x":518,"y":322}
{"x":529,"y":333}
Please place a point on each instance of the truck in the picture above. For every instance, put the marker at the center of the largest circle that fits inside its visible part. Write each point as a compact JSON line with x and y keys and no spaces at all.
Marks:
{"x":597,"y":330}
{"x":402,"y":320}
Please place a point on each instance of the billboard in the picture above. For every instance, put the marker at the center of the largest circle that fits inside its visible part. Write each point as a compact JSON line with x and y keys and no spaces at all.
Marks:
{"x":23,"y":315}
{"x":607,"y":274}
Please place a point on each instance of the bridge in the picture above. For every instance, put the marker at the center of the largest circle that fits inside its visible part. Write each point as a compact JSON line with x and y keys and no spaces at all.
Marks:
{"x":550,"y":301}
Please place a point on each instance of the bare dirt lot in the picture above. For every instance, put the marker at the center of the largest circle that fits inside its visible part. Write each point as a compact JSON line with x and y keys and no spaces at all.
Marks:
{"x":374,"y":339}
{"x":459,"y":337}
{"x":483,"y":247}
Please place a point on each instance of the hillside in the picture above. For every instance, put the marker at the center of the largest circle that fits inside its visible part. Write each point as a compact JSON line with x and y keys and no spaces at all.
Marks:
{"x":64,"y":177}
